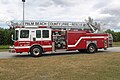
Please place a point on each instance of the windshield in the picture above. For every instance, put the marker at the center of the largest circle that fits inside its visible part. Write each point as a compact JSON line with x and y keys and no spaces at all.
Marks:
{"x":16,"y":35}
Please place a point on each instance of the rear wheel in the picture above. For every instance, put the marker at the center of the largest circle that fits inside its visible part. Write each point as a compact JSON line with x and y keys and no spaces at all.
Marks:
{"x":36,"y":51}
{"x":91,"y":48}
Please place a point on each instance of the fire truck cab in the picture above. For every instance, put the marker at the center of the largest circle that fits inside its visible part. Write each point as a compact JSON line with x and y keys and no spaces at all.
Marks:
{"x":36,"y":40}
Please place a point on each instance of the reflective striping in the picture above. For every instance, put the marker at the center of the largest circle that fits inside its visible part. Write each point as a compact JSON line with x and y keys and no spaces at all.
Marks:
{"x":47,"y":46}
{"x":24,"y":42}
{"x":22,"y":47}
{"x":84,"y":38}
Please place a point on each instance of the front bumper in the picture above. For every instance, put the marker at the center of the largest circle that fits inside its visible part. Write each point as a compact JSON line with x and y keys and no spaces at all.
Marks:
{"x":12,"y":49}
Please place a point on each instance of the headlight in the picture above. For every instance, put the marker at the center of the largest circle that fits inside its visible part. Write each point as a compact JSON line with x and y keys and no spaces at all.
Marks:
{"x":105,"y":43}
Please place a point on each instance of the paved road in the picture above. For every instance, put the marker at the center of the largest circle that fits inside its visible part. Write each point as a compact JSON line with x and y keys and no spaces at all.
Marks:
{"x":15,"y":55}
{"x":113,"y":49}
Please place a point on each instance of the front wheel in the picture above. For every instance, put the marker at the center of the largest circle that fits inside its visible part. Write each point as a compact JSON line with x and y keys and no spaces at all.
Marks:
{"x":36,"y":51}
{"x":91,"y":48}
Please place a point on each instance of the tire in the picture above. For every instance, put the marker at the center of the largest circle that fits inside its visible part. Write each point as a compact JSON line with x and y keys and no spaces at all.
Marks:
{"x":36,"y":51}
{"x":91,"y":48}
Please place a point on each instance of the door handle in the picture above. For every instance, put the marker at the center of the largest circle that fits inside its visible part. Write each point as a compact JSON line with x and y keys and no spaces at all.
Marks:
{"x":34,"y":39}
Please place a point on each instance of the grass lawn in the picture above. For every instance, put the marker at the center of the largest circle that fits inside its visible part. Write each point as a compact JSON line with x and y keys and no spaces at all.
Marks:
{"x":4,"y":46}
{"x":99,"y":66}
{"x":3,"y":50}
{"x":116,"y":44}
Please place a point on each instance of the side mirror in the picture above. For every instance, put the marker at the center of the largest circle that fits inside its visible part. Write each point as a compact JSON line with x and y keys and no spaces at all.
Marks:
{"x":12,"y":38}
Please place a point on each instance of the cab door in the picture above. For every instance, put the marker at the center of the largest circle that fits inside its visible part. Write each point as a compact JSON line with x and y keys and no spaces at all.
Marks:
{"x":35,"y":36}
{"x":38,"y":36}
{"x":32,"y":35}
{"x":23,"y":42}
{"x":46,"y":39}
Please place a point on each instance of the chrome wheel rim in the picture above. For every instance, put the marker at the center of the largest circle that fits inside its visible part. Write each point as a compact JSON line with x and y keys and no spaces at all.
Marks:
{"x":36,"y":51}
{"x":91,"y":49}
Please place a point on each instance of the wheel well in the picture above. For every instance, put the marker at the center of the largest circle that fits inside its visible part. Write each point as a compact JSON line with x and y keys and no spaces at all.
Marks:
{"x":36,"y":46}
{"x":92,"y":44}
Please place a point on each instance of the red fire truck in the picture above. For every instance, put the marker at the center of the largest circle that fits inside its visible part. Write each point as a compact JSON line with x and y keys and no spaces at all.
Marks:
{"x":56,"y":36}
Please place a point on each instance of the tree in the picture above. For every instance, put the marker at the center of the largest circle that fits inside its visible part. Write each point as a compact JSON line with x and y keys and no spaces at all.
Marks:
{"x":5,"y":36}
{"x":109,"y":31}
{"x":116,"y":35}
{"x":1,"y":36}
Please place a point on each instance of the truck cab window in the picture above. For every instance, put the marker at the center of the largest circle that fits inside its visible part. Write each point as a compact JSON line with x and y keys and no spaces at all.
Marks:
{"x":16,"y":35}
{"x":38,"y":33}
{"x":45,"y":33}
{"x":24,"y":34}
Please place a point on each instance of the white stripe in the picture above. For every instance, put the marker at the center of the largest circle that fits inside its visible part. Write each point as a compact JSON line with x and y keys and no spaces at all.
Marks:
{"x":84,"y":38}
{"x":47,"y":46}
{"x":20,"y":47}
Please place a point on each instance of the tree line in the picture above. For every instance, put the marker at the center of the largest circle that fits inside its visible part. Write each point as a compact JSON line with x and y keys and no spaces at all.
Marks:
{"x":5,"y":36}
{"x":116,"y":35}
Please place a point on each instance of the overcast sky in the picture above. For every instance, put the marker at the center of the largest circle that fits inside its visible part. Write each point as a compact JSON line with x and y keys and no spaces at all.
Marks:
{"x":105,"y":11}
